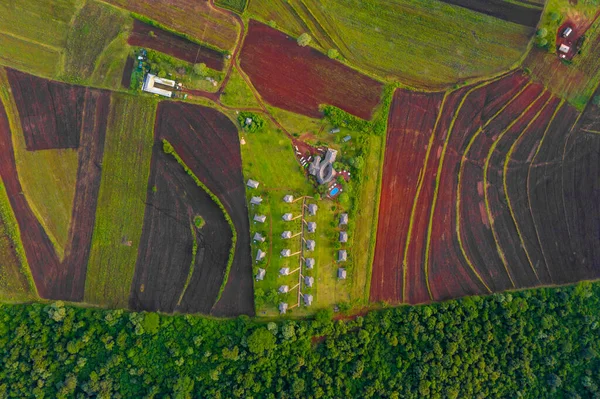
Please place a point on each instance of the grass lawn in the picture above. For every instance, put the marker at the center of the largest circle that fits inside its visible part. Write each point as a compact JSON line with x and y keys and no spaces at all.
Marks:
{"x":16,"y":282}
{"x":121,"y":202}
{"x":425,"y":43}
{"x":237,"y":93}
{"x":235,"y":5}
{"x":47,"y":177}
{"x":94,"y":28}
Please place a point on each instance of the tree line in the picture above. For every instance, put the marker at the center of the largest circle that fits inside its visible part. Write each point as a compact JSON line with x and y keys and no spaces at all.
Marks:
{"x":538,"y":343}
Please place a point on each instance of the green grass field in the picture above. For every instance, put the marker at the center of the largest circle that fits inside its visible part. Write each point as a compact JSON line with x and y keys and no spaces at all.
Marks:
{"x":237,"y":93}
{"x":16,"y":282}
{"x":47,"y":177}
{"x":29,"y":56}
{"x":121,"y":202}
{"x":94,"y":28}
{"x":421,"y":42}
{"x":111,"y":63}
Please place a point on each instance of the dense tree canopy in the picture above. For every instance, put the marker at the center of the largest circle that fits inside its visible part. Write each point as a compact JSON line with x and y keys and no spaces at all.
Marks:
{"x":537,"y":344}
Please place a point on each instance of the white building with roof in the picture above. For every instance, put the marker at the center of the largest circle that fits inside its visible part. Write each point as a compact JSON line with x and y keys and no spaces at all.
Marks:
{"x":261,"y":274}
{"x":287,"y":217}
{"x":283,"y":307}
{"x":309,"y":281}
{"x":343,"y":219}
{"x":284,"y":289}
{"x":286,"y":253}
{"x":252,"y":183}
{"x":310,"y":245}
{"x":312,"y":227}
{"x":343,"y":236}
{"x":288,"y":198}
{"x":260,"y":218}
{"x":309,"y":262}
{"x":260,"y":255}
{"x":341,"y":273}
{"x":312,"y":209}
{"x":342,"y":255}
{"x":256,"y":200}
{"x":152,"y":84}
{"x":286,"y":235}
{"x":308,"y":299}
{"x":258,"y":237}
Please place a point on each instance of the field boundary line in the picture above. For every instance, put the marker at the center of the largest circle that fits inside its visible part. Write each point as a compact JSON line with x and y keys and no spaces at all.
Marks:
{"x":437,"y":183}
{"x":485,"y":174}
{"x":28,"y":40}
{"x":537,"y":233}
{"x":192,"y":264}
{"x":416,"y":200}
{"x":460,"y":171}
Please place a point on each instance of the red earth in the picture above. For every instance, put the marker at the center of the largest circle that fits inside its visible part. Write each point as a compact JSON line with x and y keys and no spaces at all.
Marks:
{"x":299,"y":79}
{"x":501,"y":188}
{"x":55,"y":279}
{"x":174,"y":45}
{"x":208,"y":143}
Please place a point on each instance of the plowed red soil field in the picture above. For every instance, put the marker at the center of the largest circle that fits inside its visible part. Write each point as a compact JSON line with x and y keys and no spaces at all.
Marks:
{"x":165,"y":254}
{"x":502,"y":9}
{"x":299,"y":79}
{"x":174,"y":45}
{"x":499,"y":188}
{"x":55,"y":279}
{"x":208,"y":143}
{"x":50,"y":111}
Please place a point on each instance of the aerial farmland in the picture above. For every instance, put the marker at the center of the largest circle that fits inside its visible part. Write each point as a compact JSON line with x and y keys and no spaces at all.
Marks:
{"x":260,"y":161}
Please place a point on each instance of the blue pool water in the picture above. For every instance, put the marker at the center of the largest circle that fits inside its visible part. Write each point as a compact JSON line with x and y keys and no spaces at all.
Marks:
{"x":334,"y":191}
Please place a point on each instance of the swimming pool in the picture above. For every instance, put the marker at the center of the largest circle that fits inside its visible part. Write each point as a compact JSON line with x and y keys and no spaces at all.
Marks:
{"x":334,"y":191}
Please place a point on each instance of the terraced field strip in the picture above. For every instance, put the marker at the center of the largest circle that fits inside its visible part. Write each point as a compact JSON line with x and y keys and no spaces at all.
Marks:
{"x":469,"y":251}
{"x":406,"y":146}
{"x":120,"y":214}
{"x":545,"y":196}
{"x":508,"y":239}
{"x":449,"y":273}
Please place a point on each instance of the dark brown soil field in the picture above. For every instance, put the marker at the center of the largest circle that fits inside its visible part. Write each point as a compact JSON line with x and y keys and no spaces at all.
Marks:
{"x":174,"y":45}
{"x":300,"y":79}
{"x":196,"y":18}
{"x":502,"y":9}
{"x":50,"y":111}
{"x":126,"y":78}
{"x":55,"y":279}
{"x":165,"y":253}
{"x":208,"y":143}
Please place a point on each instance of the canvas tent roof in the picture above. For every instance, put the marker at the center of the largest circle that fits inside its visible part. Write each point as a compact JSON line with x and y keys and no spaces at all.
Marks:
{"x":260,"y":218}
{"x":260,"y":254}
{"x":285,"y":253}
{"x":288,"y":198}
{"x":252,"y":183}
{"x":312,"y":227}
{"x":256,"y":200}
{"x":288,"y":217}
{"x":261,"y":274}
{"x":286,"y":234}
{"x":309,"y":281}
{"x":310,"y":262}
{"x":258,"y":237}
{"x":343,"y":218}
{"x":343,"y":236}
{"x":341,"y":273}
{"x":310,"y":245}
{"x":312,"y":209}
{"x":283,"y":307}
{"x":342,"y":255}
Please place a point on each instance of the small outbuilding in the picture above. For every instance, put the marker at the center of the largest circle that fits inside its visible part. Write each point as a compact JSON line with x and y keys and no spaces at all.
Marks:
{"x":341,"y":273}
{"x":334,"y":130}
{"x":286,"y":253}
{"x":252,"y":183}
{"x":343,"y":236}
{"x":256,"y":200}
{"x":287,"y":217}
{"x":286,"y":235}
{"x":260,"y":255}
{"x":288,"y":198}
{"x":564,"y":48}
{"x":284,"y":289}
{"x":260,"y":218}
{"x":307,"y":299}
{"x":309,"y":262}
{"x":261,"y":274}
{"x":258,"y":237}
{"x":347,"y":138}
{"x":343,"y":219}
{"x":284,"y":271}
{"x":312,"y":209}
{"x":310,"y":245}
{"x":342,"y":255}
{"x":312,"y":227}
{"x":283,"y":307}
{"x":309,"y":281}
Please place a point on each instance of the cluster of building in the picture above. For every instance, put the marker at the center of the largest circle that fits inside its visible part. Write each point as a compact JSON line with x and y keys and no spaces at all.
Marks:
{"x":343,"y":238}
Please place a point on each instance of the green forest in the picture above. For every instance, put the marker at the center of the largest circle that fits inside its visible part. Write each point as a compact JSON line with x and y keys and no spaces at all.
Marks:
{"x":539,"y":343}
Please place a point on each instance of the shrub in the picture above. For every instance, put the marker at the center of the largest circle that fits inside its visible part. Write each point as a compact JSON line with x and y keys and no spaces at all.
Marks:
{"x":200,"y":69}
{"x":256,"y":124}
{"x":333,"y":53}
{"x":304,"y":40}
{"x":199,"y":221}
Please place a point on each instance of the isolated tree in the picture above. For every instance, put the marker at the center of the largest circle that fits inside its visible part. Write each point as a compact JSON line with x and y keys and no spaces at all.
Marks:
{"x":151,"y":34}
{"x":200,"y":69}
{"x":304,"y":40}
{"x":333,"y":53}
